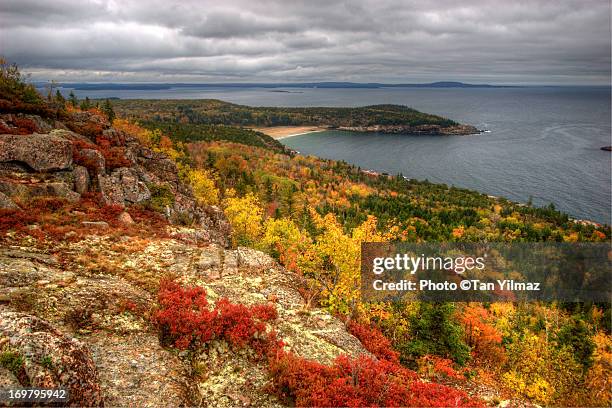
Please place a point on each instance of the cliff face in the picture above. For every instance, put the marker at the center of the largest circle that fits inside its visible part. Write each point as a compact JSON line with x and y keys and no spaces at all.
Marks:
{"x":76,"y":298}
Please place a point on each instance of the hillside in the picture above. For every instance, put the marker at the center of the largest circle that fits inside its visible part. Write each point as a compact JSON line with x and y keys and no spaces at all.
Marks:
{"x":375,"y":118}
{"x":201,"y":266}
{"x":118,"y":280}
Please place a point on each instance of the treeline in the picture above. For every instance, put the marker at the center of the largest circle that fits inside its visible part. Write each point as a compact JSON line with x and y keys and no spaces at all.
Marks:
{"x":210,"y":111}
{"x":193,"y":132}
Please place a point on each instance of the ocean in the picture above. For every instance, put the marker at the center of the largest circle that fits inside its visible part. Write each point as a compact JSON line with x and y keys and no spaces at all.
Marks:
{"x":543,"y":143}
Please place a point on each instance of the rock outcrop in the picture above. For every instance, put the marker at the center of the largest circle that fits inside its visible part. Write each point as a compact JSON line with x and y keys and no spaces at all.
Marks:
{"x":40,"y":152}
{"x":66,"y":164}
{"x":101,"y":288}
{"x":434,"y":130}
{"x":46,"y":358}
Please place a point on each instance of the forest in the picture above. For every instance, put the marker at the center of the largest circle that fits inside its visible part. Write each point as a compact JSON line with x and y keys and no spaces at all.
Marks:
{"x":312,"y":214}
{"x":211,"y":111}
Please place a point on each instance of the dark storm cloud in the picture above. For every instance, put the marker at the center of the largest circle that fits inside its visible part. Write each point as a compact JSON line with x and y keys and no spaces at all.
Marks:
{"x":545,"y":41}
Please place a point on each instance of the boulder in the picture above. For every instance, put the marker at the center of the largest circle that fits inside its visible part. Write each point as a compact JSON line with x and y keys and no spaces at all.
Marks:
{"x":6,"y":203}
{"x":114,"y":136}
{"x":134,"y":190}
{"x":125,"y":218}
{"x":112,"y":193}
{"x":41,"y":125}
{"x":160,"y":166}
{"x":84,"y":118}
{"x":8,"y":379}
{"x":81,"y":179}
{"x":51,"y":359}
{"x":39,"y":151}
{"x":42,"y":189}
{"x":53,"y":189}
{"x":122,"y":186}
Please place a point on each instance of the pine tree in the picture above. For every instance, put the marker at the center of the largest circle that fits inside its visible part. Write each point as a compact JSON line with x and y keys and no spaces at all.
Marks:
{"x":107,"y":108}
{"x":86,"y":104}
{"x":73,"y":99}
{"x":59,"y":98}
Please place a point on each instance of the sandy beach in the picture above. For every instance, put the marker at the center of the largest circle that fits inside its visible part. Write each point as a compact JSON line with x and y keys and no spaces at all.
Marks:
{"x":281,"y":132}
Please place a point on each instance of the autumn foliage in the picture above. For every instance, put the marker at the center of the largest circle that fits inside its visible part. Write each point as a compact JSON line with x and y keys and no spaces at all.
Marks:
{"x":374,"y":341}
{"x":187,"y":319}
{"x":359,"y":382}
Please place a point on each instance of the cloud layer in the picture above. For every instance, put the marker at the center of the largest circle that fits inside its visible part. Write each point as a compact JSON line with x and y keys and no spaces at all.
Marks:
{"x":494,"y":41}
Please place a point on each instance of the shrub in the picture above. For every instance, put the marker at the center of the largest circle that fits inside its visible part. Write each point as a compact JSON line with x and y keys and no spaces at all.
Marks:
{"x":374,"y":341}
{"x":114,"y":156}
{"x":161,"y":197}
{"x":16,"y":219}
{"x":438,"y":367}
{"x":356,"y":383}
{"x":187,"y":320}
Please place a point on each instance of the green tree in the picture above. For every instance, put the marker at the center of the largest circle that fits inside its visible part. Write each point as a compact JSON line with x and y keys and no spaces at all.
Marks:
{"x":13,"y":85}
{"x":72,"y":99}
{"x":86,"y":104}
{"x":434,"y":330}
{"x":108,"y":110}
{"x":578,"y":336}
{"x":59,"y":98}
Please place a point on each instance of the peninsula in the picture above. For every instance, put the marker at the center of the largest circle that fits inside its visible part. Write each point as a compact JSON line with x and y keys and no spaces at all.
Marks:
{"x":375,"y":118}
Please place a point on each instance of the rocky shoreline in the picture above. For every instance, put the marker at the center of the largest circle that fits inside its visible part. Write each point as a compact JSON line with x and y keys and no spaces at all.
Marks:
{"x":432,"y":130}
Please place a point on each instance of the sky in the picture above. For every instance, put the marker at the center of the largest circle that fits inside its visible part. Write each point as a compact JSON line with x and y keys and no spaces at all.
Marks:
{"x":388,"y":41}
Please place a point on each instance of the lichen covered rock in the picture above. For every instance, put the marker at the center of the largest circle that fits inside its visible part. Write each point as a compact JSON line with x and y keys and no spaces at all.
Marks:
{"x":51,"y":359}
{"x":42,"y":152}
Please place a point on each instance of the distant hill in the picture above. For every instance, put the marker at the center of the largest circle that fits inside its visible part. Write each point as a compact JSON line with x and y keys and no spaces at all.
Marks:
{"x":328,"y":85}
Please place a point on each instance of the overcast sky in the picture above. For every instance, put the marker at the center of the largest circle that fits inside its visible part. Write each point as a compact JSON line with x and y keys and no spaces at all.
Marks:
{"x":393,"y":41}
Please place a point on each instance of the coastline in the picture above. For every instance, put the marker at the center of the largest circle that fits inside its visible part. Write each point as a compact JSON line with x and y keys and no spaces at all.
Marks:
{"x":283,"y":132}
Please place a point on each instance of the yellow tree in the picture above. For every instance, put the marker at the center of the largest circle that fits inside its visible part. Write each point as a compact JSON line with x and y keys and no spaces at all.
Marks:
{"x":203,"y":185}
{"x":245,"y":216}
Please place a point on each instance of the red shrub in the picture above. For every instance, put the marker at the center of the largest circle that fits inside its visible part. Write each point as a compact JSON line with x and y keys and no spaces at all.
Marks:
{"x":184,"y":313}
{"x":186,"y":317}
{"x":24,"y":126}
{"x":47,"y":204}
{"x":18,"y":126}
{"x":153,"y":218}
{"x":114,"y":156}
{"x":16,"y":219}
{"x":374,"y":341}
{"x":356,"y":383}
{"x":432,"y":366}
{"x":5,"y":130}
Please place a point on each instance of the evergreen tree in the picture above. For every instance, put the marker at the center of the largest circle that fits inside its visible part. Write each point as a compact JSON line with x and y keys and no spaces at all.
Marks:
{"x":72,"y":99}
{"x":86,"y":104}
{"x":107,"y":108}
{"x":435,"y":331}
{"x":59,"y":98}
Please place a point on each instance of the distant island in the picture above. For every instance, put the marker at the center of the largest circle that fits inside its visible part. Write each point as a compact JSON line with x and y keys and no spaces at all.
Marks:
{"x":397,"y":119}
{"x":329,"y":85}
